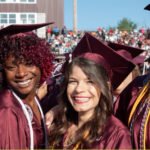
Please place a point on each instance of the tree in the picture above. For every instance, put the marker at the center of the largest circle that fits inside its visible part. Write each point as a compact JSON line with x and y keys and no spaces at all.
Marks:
{"x":126,"y":25}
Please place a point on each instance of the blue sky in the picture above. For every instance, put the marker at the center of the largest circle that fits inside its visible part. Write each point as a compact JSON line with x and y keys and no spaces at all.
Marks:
{"x":106,"y":13}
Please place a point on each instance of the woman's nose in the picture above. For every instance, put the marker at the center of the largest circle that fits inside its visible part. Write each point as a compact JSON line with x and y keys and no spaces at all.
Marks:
{"x":21,"y":70}
{"x":80,"y":87}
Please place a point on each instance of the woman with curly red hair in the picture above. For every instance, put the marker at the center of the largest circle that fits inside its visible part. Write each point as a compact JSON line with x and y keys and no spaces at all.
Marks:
{"x":27,"y":62}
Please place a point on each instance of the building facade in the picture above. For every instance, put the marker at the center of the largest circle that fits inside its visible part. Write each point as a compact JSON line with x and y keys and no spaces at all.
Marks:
{"x":32,"y":11}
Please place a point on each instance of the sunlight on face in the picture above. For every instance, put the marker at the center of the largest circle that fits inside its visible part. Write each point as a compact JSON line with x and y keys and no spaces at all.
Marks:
{"x":83,"y":94}
{"x":23,"y":78}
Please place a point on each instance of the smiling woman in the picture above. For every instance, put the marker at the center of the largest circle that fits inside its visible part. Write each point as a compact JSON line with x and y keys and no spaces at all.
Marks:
{"x":85,"y":120}
{"x":27,"y":62}
{"x":83,"y":93}
{"x":21,"y":76}
{"x":86,"y":102}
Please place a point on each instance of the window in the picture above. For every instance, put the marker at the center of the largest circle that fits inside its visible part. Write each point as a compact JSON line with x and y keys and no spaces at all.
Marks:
{"x":27,"y":18}
{"x":23,"y":18}
{"x":12,"y":18}
{"x":8,"y":1}
{"x":17,"y":18}
{"x":3,"y":18}
{"x":31,"y":18}
{"x":11,"y":1}
{"x":2,"y":0}
{"x":19,"y":1}
{"x":7,"y":18}
{"x":28,"y":1}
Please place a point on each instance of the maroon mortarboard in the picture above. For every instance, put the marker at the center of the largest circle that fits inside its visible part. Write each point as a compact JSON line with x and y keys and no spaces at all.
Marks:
{"x":139,"y":59}
{"x":119,"y":65}
{"x":128,"y":52}
{"x":21,"y":28}
{"x":136,"y":60}
{"x":132,"y":50}
{"x":147,"y":7}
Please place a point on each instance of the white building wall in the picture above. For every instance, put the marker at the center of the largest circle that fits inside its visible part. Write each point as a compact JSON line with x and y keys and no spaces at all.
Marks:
{"x":41,"y":18}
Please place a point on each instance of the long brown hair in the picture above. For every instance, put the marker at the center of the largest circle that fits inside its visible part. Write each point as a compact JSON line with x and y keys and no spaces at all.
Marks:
{"x":68,"y":115}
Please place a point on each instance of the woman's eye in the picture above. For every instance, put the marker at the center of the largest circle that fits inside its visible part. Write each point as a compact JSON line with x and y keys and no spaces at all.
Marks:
{"x":10,"y":67}
{"x":90,"y":82}
{"x":29,"y":64}
{"x":71,"y":81}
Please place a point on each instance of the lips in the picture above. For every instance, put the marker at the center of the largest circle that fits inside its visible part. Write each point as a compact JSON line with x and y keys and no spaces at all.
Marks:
{"x":24,"y":83}
{"x":80,"y":99}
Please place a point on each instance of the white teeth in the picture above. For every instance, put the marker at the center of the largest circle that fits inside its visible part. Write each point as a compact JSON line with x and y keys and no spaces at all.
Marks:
{"x":81,"y":99}
{"x":24,"y":83}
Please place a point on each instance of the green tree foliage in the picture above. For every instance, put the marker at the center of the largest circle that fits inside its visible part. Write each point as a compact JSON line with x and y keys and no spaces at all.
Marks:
{"x":126,"y":25}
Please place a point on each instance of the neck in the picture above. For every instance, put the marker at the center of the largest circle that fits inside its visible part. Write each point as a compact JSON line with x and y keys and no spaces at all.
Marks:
{"x":28,"y":98}
{"x":84,"y":117}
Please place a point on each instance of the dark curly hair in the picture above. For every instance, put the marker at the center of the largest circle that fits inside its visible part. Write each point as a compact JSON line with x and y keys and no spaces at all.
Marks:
{"x":28,"y":47}
{"x":68,"y":115}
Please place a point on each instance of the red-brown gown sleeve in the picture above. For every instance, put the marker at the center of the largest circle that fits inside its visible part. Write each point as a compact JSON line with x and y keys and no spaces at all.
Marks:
{"x":13,"y":129}
{"x":124,"y":105}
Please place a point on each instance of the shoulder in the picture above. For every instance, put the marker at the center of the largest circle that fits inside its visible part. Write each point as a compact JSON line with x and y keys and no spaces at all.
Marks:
{"x":9,"y":106}
{"x":7,"y":99}
{"x":115,"y":127}
{"x":115,"y":136}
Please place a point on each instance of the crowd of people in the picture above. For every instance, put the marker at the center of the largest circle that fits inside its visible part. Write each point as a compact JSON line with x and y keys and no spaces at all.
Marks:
{"x":63,"y":42}
{"x":99,"y":98}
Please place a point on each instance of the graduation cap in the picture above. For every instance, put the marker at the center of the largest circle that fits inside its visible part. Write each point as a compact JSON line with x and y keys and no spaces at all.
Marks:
{"x":147,"y":7}
{"x":21,"y":28}
{"x":91,"y":48}
{"x":131,"y":53}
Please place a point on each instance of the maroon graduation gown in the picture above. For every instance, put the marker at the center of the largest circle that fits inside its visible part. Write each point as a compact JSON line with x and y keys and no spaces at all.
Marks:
{"x":14,"y":129}
{"x":122,"y":109}
{"x":115,"y":136}
{"x":126,"y":99}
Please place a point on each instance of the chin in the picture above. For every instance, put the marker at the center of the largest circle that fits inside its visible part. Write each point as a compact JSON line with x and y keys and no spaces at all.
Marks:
{"x":23,"y":93}
{"x":81,"y":110}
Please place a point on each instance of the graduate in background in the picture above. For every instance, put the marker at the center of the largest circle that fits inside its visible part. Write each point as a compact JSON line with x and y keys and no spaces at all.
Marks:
{"x":135,"y":55}
{"x":132,"y":107}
